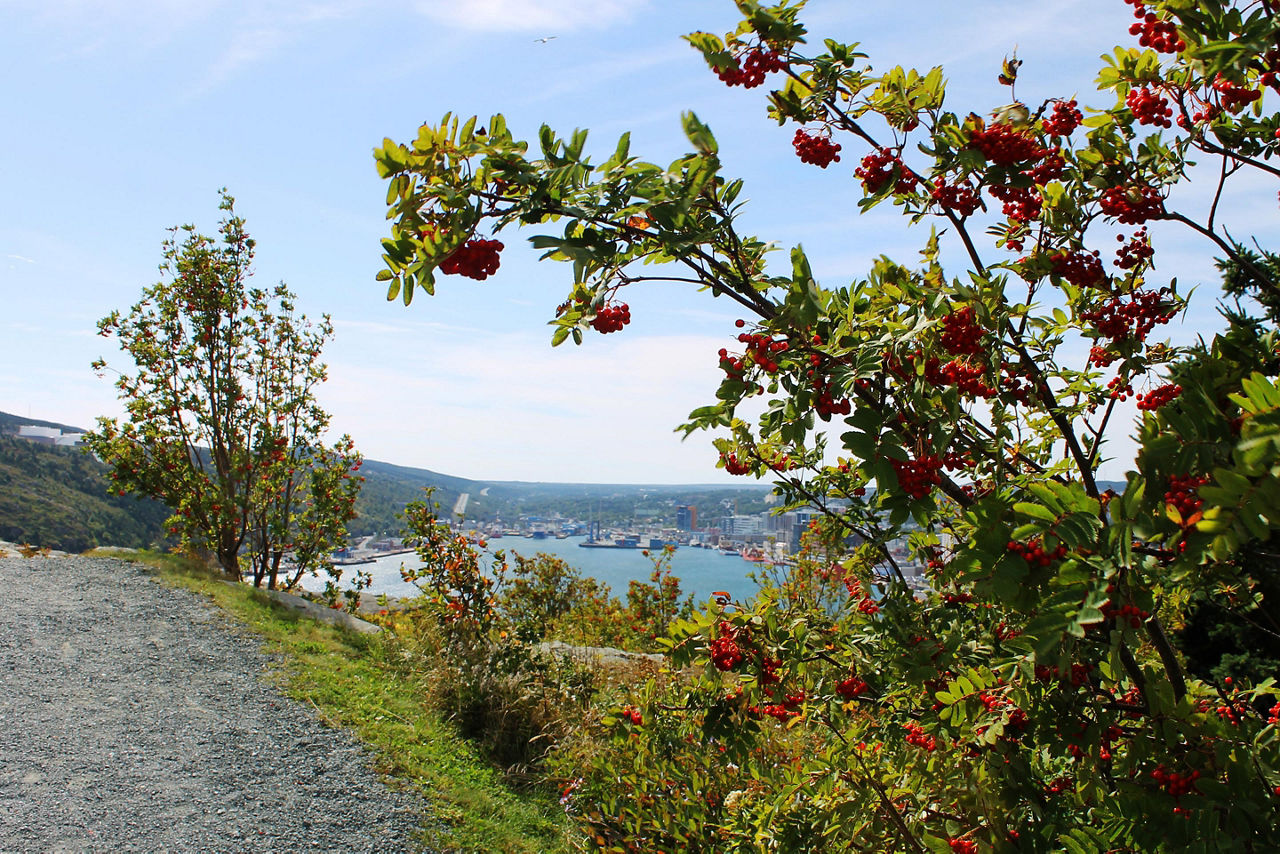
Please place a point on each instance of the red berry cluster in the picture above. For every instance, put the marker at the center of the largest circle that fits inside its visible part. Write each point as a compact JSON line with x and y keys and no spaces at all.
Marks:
{"x":818,"y":150}
{"x":851,"y":687}
{"x":611,"y":318}
{"x":883,"y":168}
{"x":960,"y":198}
{"x":1132,"y":205}
{"x":761,"y":349}
{"x":733,"y":466}
{"x":1064,"y":119}
{"x":1149,"y":107}
{"x":1118,"y":320}
{"x":475,"y":259}
{"x":1006,"y":145}
{"x":1129,"y":613}
{"x":968,"y":377}
{"x":1060,"y":785}
{"x":1119,"y":389}
{"x":725,"y":652}
{"x":1136,"y":251}
{"x":1183,"y":493}
{"x":1101,"y":356}
{"x":916,"y":736}
{"x":1158,"y":397}
{"x":1160,"y":36}
{"x":1080,"y":268}
{"x":1014,"y":388}
{"x":733,"y":367}
{"x":961,"y":333}
{"x":1234,"y":97}
{"x":963,"y":846}
{"x":777,"y":711}
{"x":749,"y":71}
{"x":824,"y":403}
{"x":1049,"y":168}
{"x":918,"y":477}
{"x":631,"y":713}
{"x":1021,"y":204}
{"x":1033,"y":552}
{"x":1174,"y":783}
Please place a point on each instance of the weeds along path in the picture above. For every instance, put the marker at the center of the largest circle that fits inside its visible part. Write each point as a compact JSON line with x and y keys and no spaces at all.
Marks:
{"x":134,"y":717}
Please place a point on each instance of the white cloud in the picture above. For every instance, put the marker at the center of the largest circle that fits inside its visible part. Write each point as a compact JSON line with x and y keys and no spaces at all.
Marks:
{"x":545,"y":17}
{"x":21,"y":258}
{"x":487,"y":405}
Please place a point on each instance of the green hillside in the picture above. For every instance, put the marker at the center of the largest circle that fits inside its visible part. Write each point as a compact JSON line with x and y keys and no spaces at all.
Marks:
{"x":57,"y":497}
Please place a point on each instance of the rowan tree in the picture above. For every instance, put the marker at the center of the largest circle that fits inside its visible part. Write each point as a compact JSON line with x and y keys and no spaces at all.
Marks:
{"x":1032,"y":696}
{"x":222,"y":424}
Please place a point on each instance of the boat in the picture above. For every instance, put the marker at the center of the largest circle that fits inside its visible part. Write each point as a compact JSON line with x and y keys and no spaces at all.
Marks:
{"x":752,"y":555}
{"x":623,"y":542}
{"x":728,"y":550}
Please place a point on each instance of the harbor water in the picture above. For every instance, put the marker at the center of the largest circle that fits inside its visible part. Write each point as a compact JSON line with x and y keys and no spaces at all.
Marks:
{"x":702,"y":572}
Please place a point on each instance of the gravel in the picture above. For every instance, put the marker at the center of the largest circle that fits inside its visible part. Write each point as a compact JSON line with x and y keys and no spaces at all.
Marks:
{"x":134,"y":717}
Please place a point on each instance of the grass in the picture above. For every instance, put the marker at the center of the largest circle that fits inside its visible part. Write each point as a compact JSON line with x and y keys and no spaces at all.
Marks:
{"x":350,"y":682}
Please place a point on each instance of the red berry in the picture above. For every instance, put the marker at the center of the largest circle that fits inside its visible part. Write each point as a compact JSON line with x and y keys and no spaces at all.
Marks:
{"x":818,"y":150}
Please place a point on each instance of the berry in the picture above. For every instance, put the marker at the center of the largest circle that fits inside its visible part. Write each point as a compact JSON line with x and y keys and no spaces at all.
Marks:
{"x":733,"y":466}
{"x":916,"y":736}
{"x":881,"y":169}
{"x":1005,"y":145}
{"x":1080,"y":268}
{"x":1232,"y":96}
{"x":1132,"y":205}
{"x":725,"y":652}
{"x":1149,"y":107}
{"x":1137,"y":251}
{"x":1033,"y":552}
{"x":749,"y":71}
{"x":1160,"y":36}
{"x":611,"y":318}
{"x":1156,"y":398}
{"x":1119,"y":320}
{"x":851,"y":687}
{"x":1064,"y":119}
{"x":1021,"y":204}
{"x":1183,"y":493}
{"x":960,"y":198}
{"x":961,"y":334}
{"x":918,"y":477}
{"x":476,"y":259}
{"x":818,"y":150}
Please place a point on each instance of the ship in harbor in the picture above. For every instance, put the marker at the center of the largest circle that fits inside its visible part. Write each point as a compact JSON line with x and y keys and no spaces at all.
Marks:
{"x":621,"y":541}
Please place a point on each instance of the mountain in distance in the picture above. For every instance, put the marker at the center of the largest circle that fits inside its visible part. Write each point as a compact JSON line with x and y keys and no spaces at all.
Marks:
{"x":59,"y":497}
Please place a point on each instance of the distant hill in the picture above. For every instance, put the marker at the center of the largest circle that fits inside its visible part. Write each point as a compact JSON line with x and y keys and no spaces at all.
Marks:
{"x":11,"y":423}
{"x":58,"y":497}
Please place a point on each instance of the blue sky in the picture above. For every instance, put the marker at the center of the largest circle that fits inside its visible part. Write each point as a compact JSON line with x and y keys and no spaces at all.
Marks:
{"x":124,"y":118}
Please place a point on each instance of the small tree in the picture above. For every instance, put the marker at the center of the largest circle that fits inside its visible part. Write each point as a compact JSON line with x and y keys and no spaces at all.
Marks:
{"x":222,"y":422}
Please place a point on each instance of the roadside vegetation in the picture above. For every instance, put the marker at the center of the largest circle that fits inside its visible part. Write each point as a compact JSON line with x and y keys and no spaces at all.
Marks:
{"x":362,"y":682}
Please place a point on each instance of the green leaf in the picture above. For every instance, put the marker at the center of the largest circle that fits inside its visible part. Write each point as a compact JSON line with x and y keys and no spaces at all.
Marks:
{"x":699,"y":134}
{"x":1036,"y":511}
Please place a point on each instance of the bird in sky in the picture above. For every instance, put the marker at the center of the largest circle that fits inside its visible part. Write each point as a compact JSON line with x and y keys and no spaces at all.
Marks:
{"x":545,"y":39}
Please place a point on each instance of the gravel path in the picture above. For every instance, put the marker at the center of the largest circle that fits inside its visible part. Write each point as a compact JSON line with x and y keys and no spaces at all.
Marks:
{"x":134,"y":717}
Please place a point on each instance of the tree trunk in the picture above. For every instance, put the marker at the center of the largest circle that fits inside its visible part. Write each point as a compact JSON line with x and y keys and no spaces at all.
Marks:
{"x":229,"y":560}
